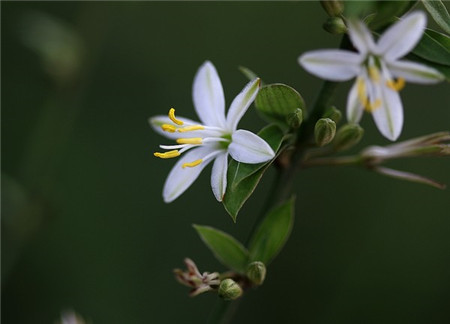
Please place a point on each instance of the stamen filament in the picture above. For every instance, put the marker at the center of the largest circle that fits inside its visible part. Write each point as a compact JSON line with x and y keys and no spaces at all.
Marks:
{"x":192,"y":164}
{"x":167,"y":155}
{"x":193,"y":140}
{"x":374,"y":74}
{"x":173,"y":118}
{"x":190,"y":128}
{"x":396,"y":85}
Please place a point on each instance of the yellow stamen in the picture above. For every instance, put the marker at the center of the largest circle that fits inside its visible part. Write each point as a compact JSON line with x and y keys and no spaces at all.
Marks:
{"x":374,"y":74}
{"x":361,"y":88}
{"x":193,"y":140}
{"x":173,"y":118}
{"x":372,"y":107}
{"x":167,"y":155}
{"x":192,"y":164}
{"x":396,"y":85}
{"x":190,"y":128}
{"x":168,"y":128}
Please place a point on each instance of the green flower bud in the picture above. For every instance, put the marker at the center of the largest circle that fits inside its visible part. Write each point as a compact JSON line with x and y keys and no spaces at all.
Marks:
{"x":229,"y":289}
{"x":335,"y":26}
{"x":332,"y":7}
{"x":333,"y":113}
{"x":256,"y":272}
{"x":348,"y":136}
{"x":324,"y":131}
{"x":295,"y":119}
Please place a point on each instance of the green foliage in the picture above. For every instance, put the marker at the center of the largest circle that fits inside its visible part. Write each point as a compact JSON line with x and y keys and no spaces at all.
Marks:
{"x":225,"y":248}
{"x":243,"y":178}
{"x":272,"y":233}
{"x":434,"y":47}
{"x":276,"y":101}
{"x":248,"y":73}
{"x":439,"y":13}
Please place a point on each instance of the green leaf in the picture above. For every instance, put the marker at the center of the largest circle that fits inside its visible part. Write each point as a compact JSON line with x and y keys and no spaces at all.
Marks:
{"x":387,"y":11}
{"x":439,"y":12}
{"x":276,"y":101}
{"x":272,"y":233}
{"x":358,"y":9}
{"x":225,"y":248}
{"x":249,"y":73}
{"x":434,"y":47}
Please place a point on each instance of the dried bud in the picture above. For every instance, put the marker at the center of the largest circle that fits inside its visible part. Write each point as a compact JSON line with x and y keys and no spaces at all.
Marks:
{"x":335,"y":26}
{"x":333,"y":113}
{"x":348,"y":136}
{"x":199,"y":283}
{"x":324,"y":131}
{"x":229,"y":289}
{"x":295,"y":119}
{"x":332,"y":7}
{"x":256,"y":272}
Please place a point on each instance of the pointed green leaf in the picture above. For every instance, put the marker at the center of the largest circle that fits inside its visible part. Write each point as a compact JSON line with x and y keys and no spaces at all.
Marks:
{"x":225,"y":248}
{"x":434,"y":47}
{"x":249,"y":74}
{"x":276,"y":101}
{"x":439,"y":12}
{"x":272,"y":233}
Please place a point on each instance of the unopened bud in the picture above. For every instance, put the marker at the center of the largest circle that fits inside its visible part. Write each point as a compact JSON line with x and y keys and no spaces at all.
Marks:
{"x":229,"y":289}
{"x":335,"y":26}
{"x":256,"y":272}
{"x":348,"y":136}
{"x":333,"y":113}
{"x":324,"y":131}
{"x":295,"y":118}
{"x":332,"y":7}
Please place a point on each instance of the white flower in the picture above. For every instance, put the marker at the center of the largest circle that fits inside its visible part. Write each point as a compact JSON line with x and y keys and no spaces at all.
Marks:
{"x":212,"y":139}
{"x":379,"y":72}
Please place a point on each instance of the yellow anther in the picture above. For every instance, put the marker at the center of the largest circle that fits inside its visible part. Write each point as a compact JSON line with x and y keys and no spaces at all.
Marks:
{"x":168,"y":128}
{"x":173,"y":118}
{"x":361,"y":88}
{"x":167,"y":155}
{"x":371,"y":107}
{"x":192,"y":164}
{"x":193,"y":140}
{"x":396,"y":85}
{"x":374,"y":74}
{"x":190,"y":128}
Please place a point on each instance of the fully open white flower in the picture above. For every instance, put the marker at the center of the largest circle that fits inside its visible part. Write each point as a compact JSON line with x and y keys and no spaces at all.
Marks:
{"x":212,"y":139}
{"x":379,"y":72}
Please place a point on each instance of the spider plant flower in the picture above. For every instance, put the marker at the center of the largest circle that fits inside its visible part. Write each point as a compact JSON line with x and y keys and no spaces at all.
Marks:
{"x":199,"y":282}
{"x":379,"y":72}
{"x":212,"y":139}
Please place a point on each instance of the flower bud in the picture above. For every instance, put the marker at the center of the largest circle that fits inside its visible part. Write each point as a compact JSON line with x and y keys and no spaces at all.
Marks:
{"x":333,"y":113}
{"x":335,"y":26}
{"x":229,"y":289}
{"x":348,"y":136}
{"x":295,"y":119}
{"x":256,"y":272}
{"x":324,"y":131}
{"x":332,"y":7}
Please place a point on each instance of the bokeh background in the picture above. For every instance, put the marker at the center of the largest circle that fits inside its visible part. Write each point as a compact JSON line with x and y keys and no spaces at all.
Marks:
{"x":83,"y":222}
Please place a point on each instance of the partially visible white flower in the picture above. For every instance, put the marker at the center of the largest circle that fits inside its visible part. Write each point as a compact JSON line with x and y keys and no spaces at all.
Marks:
{"x":379,"y":72}
{"x":212,"y":139}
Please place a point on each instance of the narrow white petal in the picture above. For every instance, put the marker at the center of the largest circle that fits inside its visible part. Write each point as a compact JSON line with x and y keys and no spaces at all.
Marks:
{"x":180,"y":179}
{"x":241,"y":103}
{"x":208,"y":97}
{"x":389,"y":116}
{"x":360,"y":36}
{"x":355,"y":108}
{"x":334,"y":65}
{"x":157,"y":121}
{"x":247,"y":147}
{"x":219,"y":176}
{"x":415,"y":72}
{"x":402,"y":37}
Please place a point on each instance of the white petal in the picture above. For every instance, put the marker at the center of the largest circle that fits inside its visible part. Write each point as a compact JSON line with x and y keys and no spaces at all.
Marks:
{"x":361,"y":37}
{"x":207,"y":94}
{"x":402,"y":37}
{"x":389,"y":116}
{"x":219,"y":176}
{"x":241,"y":103}
{"x":415,"y":72}
{"x":180,"y":179}
{"x":247,"y":147}
{"x":334,"y":65}
{"x":157,"y":121}
{"x":355,"y":108}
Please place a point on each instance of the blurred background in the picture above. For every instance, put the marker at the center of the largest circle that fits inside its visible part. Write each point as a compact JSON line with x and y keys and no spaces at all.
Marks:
{"x":84,"y":226}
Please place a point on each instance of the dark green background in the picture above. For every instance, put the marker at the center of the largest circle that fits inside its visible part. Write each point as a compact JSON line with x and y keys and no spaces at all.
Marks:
{"x":83,"y":222}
